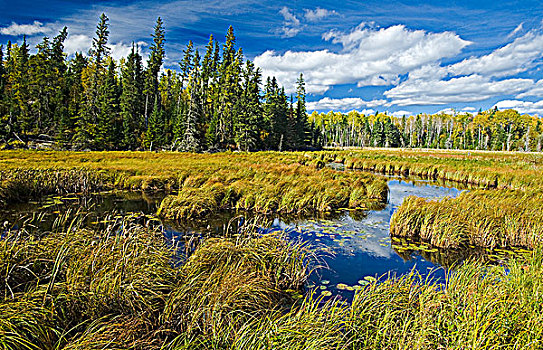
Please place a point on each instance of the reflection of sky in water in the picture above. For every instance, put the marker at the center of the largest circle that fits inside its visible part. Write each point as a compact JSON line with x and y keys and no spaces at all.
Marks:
{"x":362,"y":247}
{"x":355,"y":246}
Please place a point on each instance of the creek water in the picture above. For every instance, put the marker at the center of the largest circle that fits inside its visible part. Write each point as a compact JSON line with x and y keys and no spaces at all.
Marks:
{"x":355,"y":246}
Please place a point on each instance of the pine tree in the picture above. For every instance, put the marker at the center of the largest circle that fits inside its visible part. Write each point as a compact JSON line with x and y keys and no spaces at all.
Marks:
{"x":131,"y":100}
{"x":301,"y":128}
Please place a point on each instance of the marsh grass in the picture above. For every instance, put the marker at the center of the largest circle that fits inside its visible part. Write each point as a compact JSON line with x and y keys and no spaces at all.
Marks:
{"x":118,"y":287}
{"x":493,"y":219}
{"x":262,"y":182}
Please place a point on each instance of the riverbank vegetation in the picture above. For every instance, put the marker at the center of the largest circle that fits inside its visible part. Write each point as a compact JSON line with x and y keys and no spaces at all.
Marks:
{"x":506,"y":213}
{"x":260,"y":182}
{"x":117,"y":287}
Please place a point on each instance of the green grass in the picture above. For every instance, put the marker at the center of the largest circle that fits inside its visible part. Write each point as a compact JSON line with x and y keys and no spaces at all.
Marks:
{"x":117,"y":288}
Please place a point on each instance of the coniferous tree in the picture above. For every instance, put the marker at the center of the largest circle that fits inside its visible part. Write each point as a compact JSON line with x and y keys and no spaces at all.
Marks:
{"x":192,"y":133}
{"x":248,"y":122}
{"x":156,"y":58}
{"x":107,"y":123}
{"x":131,"y":100}
{"x":302,"y":130}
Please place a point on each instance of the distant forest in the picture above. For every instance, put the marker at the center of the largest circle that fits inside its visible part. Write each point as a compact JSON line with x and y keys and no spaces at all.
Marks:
{"x":216,"y":100}
{"x":486,"y":130}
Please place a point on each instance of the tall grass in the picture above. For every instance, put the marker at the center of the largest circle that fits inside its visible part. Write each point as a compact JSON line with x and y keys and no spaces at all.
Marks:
{"x":262,"y":182}
{"x":118,"y":288}
{"x":493,"y":219}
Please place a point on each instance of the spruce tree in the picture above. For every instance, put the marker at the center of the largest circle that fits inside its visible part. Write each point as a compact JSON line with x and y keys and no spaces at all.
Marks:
{"x":131,"y":100}
{"x":192,"y":136}
{"x":302,"y":129}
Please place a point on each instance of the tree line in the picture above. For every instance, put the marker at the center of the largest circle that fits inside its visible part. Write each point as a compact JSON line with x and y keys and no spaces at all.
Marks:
{"x":214,"y":101}
{"x":493,"y":129}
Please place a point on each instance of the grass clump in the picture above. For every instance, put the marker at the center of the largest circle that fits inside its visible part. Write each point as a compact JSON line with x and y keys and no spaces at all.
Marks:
{"x":493,"y":219}
{"x":118,"y":288}
{"x":272,"y":188}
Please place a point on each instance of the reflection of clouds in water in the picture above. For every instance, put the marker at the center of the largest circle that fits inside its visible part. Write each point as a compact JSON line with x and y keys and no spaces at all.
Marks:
{"x":399,"y":190}
{"x":372,"y":238}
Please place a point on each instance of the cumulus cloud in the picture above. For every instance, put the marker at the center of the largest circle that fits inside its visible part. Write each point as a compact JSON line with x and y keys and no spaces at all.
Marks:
{"x":462,"y":89}
{"x":25,"y":29}
{"x":77,"y":43}
{"x":369,"y":56}
{"x":522,"y":106}
{"x":318,"y":14}
{"x":513,"y":58}
{"x":343,"y":104}
{"x":475,"y":78}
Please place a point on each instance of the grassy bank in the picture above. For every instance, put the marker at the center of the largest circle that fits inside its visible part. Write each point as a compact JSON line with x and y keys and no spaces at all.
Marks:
{"x":261,"y":182}
{"x":507,"y":213}
{"x":485,"y":169}
{"x":116,"y":288}
{"x":494,"y":219}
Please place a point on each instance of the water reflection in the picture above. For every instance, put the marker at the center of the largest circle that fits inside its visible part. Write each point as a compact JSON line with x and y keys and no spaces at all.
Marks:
{"x":356,"y":244}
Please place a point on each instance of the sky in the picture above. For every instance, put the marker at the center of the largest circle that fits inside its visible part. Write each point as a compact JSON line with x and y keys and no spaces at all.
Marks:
{"x":403,"y":57}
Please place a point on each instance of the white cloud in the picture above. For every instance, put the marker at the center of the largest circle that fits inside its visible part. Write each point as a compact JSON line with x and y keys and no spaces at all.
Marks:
{"x":343,"y":104}
{"x":522,"y":106}
{"x":513,"y":58}
{"x":291,"y":24}
{"x":462,"y":89}
{"x":82,"y":43}
{"x":26,"y":29}
{"x":318,"y":14}
{"x":519,"y":28}
{"x":536,"y":90}
{"x":77,"y":43}
{"x":369,"y":56}
{"x":289,"y":17}
{"x":399,"y":114}
{"x":449,"y":111}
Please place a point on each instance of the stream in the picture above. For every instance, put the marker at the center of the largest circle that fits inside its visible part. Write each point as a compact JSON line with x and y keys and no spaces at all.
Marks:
{"x":354,"y":245}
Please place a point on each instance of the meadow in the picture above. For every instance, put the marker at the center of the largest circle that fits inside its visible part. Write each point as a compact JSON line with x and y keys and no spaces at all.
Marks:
{"x":121,"y":285}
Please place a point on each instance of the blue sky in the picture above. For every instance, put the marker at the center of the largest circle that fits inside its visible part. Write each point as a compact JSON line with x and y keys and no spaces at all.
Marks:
{"x":398,"y":56}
